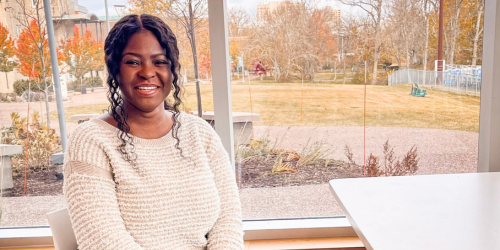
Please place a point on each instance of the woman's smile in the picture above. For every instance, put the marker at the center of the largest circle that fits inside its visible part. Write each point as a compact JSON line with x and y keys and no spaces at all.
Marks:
{"x":147,"y":89}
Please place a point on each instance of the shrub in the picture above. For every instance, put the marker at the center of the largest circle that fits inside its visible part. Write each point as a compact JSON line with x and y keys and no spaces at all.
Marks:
{"x":7,"y":97}
{"x":20,"y":86}
{"x":311,"y":153}
{"x":258,"y":147}
{"x":359,"y":78}
{"x":33,"y":96}
{"x":392,"y":166}
{"x":89,"y":82}
{"x":280,"y":167}
{"x":42,"y":142}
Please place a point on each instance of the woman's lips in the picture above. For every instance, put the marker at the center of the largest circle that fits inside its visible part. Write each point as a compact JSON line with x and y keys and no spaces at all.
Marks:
{"x":147,"y":91}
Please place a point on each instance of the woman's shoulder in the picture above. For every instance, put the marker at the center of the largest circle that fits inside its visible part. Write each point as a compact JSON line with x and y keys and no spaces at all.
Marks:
{"x":191,"y":121}
{"x":92,"y":131}
{"x":194,"y":120}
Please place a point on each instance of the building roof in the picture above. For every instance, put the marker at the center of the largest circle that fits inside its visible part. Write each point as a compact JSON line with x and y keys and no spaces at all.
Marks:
{"x":89,"y":17}
{"x":103,"y":18}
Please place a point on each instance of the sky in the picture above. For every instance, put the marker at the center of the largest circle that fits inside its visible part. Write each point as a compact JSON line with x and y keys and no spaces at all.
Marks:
{"x":97,"y":6}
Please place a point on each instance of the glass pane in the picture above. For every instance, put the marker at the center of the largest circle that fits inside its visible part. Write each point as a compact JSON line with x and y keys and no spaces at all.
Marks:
{"x":306,"y":116}
{"x":28,"y":114}
{"x":315,"y":119}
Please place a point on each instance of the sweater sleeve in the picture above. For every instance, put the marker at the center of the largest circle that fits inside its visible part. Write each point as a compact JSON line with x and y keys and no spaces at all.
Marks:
{"x":92,"y":202}
{"x":227,"y":233}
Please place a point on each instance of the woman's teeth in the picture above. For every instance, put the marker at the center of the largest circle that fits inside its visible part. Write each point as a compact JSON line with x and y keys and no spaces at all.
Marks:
{"x":147,"y":88}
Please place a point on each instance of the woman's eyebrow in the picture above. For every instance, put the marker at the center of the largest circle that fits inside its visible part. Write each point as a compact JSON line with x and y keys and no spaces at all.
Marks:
{"x":138,"y":55}
{"x":159,"y":54}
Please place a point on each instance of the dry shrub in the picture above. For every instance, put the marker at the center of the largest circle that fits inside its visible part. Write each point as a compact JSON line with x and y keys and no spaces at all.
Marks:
{"x":350,"y":157}
{"x":43,"y":142}
{"x":372,"y":166}
{"x":391,"y":165}
{"x":312,"y":153}
{"x":258,"y":147}
{"x":394,"y":167}
{"x":280,"y":167}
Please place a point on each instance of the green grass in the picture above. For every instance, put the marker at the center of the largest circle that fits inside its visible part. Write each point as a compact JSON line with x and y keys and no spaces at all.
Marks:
{"x":290,"y":104}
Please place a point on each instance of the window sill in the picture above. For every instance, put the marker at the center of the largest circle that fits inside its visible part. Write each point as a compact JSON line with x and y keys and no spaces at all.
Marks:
{"x":271,"y":229}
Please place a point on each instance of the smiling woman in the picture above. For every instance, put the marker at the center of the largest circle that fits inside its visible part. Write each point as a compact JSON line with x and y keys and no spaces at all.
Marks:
{"x":157,"y":185}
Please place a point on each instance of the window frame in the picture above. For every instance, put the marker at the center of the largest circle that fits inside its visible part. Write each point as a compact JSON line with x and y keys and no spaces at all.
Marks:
{"x":489,"y":135}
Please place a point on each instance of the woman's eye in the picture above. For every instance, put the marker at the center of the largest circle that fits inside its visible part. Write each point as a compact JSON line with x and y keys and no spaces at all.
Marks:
{"x":132,"y":62}
{"x":161,"y":62}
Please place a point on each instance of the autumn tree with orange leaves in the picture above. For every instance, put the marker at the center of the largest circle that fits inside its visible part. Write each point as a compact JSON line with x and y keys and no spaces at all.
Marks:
{"x":29,"y":44}
{"x":7,"y":64}
{"x":81,"y":53}
{"x":33,"y":55}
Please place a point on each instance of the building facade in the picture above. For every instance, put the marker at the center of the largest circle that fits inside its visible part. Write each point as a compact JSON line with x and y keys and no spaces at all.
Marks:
{"x":66,"y":14}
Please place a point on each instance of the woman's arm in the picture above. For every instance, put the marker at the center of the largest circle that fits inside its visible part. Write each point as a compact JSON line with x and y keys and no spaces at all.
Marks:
{"x":227,"y":233}
{"x":92,"y":203}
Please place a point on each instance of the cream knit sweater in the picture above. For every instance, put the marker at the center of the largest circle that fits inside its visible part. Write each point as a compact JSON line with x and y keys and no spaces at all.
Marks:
{"x":170,"y":202}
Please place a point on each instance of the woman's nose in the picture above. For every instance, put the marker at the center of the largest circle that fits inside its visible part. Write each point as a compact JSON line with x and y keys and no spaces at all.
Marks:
{"x":147,"y":71}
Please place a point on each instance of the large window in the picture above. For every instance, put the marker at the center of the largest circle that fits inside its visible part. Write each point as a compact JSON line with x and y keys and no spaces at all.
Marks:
{"x":327,"y":109}
{"x":319,"y":91}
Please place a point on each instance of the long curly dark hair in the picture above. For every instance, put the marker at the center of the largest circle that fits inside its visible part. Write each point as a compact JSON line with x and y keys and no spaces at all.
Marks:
{"x":116,"y":42}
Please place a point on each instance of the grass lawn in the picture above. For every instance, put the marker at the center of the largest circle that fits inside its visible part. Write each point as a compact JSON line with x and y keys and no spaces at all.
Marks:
{"x":339,"y":105}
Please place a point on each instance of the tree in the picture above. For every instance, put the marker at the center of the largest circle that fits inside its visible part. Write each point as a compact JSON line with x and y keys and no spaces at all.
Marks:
{"x":374,"y":10}
{"x":452,"y":13}
{"x":204,"y":61}
{"x":283,"y":40}
{"x":28,"y":54}
{"x":479,"y":4}
{"x":81,"y":53}
{"x":7,"y":52}
{"x":30,"y":16}
{"x":237,"y":18}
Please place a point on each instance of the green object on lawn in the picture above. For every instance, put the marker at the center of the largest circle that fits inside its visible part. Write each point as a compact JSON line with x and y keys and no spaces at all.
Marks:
{"x":416,"y":91}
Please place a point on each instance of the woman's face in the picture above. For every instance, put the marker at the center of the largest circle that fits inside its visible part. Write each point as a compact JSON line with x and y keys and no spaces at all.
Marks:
{"x":145,"y":79}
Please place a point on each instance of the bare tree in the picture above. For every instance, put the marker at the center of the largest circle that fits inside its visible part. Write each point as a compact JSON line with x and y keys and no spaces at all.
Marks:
{"x":280,"y":37}
{"x":428,"y":5}
{"x":292,"y":39}
{"x":479,"y":28}
{"x":374,"y":10}
{"x":237,"y":19}
{"x":454,"y":29}
{"x":190,"y":14}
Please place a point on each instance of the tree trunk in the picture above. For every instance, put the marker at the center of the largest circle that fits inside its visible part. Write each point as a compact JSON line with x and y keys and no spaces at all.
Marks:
{"x":426,"y":46}
{"x":44,"y":74}
{"x":377,"y":48}
{"x":343,"y":71}
{"x":195,"y":58}
{"x":454,"y":31}
{"x":480,"y":9}
{"x":7,"y":79}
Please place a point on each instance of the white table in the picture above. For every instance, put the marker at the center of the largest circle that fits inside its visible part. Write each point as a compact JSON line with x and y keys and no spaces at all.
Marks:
{"x":455,"y":211}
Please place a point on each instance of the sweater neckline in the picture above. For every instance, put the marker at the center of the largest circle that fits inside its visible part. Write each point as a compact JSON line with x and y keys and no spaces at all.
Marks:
{"x":167,"y":138}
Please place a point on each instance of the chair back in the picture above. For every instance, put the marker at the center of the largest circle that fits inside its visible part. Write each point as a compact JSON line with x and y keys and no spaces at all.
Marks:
{"x":62,"y":230}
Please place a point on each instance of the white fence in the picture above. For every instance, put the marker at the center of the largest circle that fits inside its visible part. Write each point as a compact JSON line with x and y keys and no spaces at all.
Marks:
{"x":456,"y":81}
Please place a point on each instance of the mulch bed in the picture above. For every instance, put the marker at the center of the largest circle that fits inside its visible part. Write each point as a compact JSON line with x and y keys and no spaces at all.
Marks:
{"x":256,"y":172}
{"x":252,"y":172}
{"x":39,"y":183}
